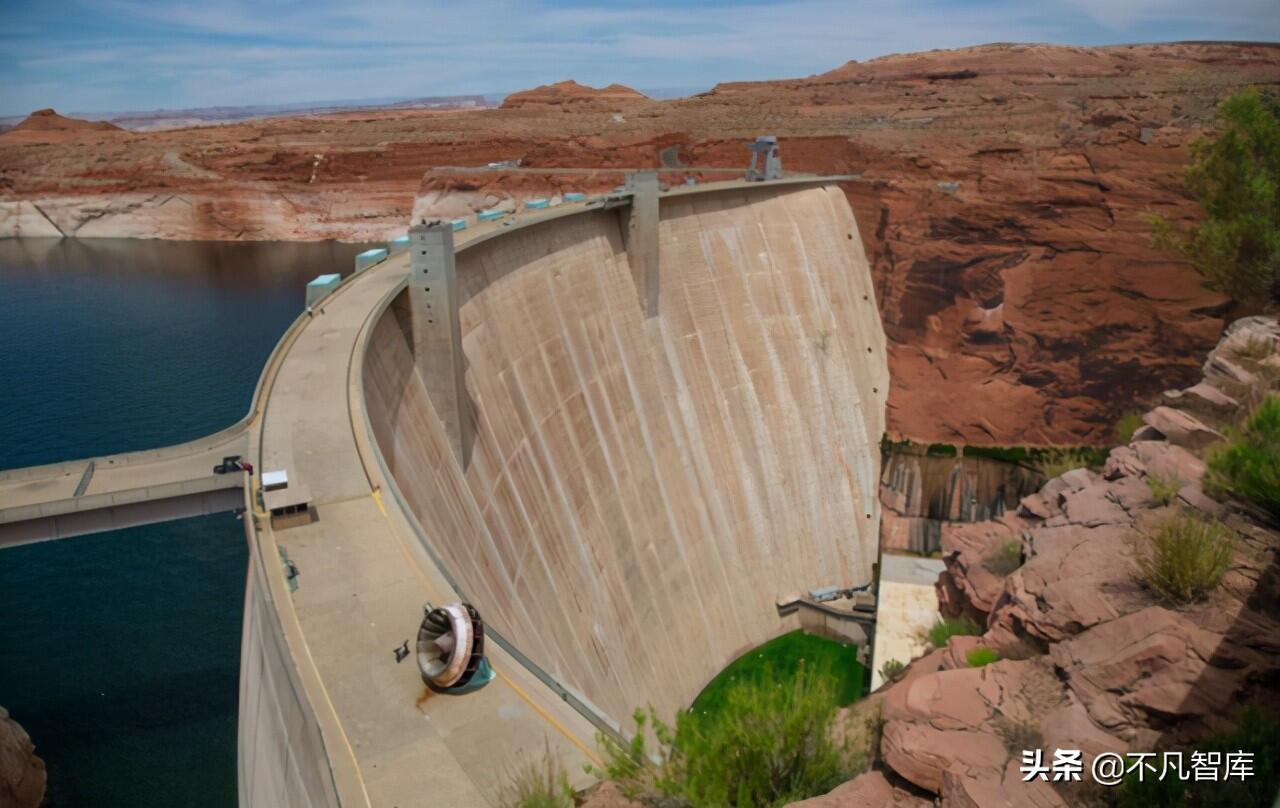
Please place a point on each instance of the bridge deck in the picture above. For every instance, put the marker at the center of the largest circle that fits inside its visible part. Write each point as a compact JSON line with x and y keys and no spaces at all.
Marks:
{"x":81,"y":496}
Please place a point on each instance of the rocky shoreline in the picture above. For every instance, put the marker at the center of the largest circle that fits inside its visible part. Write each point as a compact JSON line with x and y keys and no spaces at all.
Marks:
{"x":22,"y":773}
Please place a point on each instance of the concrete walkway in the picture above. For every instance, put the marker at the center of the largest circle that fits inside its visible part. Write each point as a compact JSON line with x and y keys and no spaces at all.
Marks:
{"x":905,"y":610}
{"x":363,"y":580}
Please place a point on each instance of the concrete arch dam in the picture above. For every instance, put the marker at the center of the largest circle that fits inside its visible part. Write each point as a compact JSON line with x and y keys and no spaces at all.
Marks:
{"x":635,"y":492}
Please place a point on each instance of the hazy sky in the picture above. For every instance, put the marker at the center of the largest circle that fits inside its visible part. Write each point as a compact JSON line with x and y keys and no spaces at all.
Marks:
{"x":113,"y":55}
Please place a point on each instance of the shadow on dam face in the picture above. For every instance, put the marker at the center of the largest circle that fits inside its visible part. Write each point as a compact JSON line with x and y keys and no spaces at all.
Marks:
{"x":641,"y":491}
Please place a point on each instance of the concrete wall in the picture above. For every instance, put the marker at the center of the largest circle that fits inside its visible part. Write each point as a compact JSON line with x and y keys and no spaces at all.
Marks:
{"x":640,"y":491}
{"x":282,"y":760}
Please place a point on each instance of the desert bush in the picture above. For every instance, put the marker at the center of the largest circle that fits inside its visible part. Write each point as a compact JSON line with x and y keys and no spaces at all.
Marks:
{"x":1235,"y":177}
{"x":1124,"y":428}
{"x":1019,"y":735}
{"x":1247,"y":466}
{"x":1254,"y":349}
{"x":538,"y":782}
{"x":891,"y":669}
{"x":1055,"y":462}
{"x":1254,"y":732}
{"x":1186,"y":557}
{"x":1164,"y":489}
{"x":773,"y":742}
{"x":1003,"y":558}
{"x":979,"y":657}
{"x":948,"y":627}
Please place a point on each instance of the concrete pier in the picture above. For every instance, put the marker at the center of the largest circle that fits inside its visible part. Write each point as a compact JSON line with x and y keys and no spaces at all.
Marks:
{"x":642,"y":238}
{"x":437,"y":333}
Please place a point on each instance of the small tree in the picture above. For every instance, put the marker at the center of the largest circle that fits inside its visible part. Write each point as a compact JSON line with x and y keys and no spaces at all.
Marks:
{"x":1235,"y":176}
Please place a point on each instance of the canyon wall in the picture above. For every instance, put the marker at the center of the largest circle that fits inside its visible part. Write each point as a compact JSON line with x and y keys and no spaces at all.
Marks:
{"x":1003,"y":202}
{"x":641,"y":491}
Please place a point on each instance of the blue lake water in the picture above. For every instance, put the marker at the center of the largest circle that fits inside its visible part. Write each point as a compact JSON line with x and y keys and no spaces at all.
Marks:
{"x":120,"y":652}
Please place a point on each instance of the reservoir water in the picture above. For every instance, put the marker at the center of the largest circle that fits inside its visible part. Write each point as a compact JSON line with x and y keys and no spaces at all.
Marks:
{"x":120,"y":652}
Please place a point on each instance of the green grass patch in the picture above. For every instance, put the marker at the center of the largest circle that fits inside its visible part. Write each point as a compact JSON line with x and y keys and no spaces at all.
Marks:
{"x":948,"y":627}
{"x":980,"y":657}
{"x":780,"y":659}
{"x":1186,"y":557}
{"x":1003,"y":558}
{"x":1254,"y":349}
{"x":538,"y":782}
{"x":1247,"y":466}
{"x":1255,"y":732}
{"x":891,"y":668}
{"x":941,"y":450}
{"x":1124,"y":428}
{"x":1057,"y":461}
{"x":1163,"y":489}
{"x":774,"y":739}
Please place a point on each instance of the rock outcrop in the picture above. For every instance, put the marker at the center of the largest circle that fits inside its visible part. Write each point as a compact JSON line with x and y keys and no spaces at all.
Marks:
{"x":1090,"y":658}
{"x":22,"y":773}
{"x":47,"y":126}
{"x":571,"y":92}
{"x":1004,"y":190}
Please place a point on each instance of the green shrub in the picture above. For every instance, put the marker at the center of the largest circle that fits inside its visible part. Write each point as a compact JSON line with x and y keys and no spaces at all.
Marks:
{"x":1235,"y":177}
{"x":1163,"y":489}
{"x":538,"y":783}
{"x":1057,"y":461}
{"x":948,"y":627}
{"x":979,"y":657}
{"x":1129,"y":423}
{"x":1254,"y":733}
{"x":1003,"y":558}
{"x":891,"y":668}
{"x":774,"y":742}
{"x":1248,"y":465}
{"x":1186,"y":557}
{"x":1254,"y":349}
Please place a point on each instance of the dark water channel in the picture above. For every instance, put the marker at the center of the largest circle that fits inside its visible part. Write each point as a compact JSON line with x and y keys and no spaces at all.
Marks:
{"x":120,"y":652}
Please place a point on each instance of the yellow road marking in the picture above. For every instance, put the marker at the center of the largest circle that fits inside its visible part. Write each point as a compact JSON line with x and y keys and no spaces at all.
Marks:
{"x":546,"y":716}
{"x":549,"y":718}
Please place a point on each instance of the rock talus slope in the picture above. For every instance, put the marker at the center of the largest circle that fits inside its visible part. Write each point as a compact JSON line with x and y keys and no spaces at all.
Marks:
{"x":1091,"y":659}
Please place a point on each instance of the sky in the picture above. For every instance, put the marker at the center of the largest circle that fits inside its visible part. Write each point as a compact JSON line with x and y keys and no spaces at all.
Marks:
{"x":134,"y":55}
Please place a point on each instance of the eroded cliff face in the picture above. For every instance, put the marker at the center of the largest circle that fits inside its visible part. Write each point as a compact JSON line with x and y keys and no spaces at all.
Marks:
{"x":1003,"y":204}
{"x":922,"y":493}
{"x":22,"y":773}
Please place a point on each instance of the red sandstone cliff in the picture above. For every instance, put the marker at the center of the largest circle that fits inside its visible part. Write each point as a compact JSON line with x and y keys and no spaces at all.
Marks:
{"x":1090,"y":658}
{"x":1003,"y":204}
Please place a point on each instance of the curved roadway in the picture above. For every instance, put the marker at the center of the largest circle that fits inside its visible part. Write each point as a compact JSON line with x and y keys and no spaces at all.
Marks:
{"x":363,"y":580}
